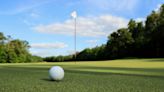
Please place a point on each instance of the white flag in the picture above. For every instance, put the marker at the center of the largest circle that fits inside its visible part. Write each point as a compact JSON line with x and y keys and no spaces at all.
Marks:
{"x":74,"y":14}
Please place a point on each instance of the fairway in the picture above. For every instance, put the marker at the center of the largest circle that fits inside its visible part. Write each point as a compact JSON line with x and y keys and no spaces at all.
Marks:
{"x":124,"y":75}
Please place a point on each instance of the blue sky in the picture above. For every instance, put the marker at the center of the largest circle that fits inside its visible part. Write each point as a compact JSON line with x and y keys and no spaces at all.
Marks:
{"x":48,"y":26}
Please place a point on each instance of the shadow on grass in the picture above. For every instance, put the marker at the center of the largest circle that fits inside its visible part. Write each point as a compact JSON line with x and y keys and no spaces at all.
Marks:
{"x":69,"y":67}
{"x":52,"y":81}
{"x":49,"y":80}
{"x":107,"y":73}
{"x":156,"y":60}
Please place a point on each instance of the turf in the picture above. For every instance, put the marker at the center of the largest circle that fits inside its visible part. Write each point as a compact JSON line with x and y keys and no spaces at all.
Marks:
{"x":125,"y":75}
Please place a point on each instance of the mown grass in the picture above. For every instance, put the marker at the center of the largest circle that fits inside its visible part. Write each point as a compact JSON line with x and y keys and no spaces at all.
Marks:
{"x":125,"y":75}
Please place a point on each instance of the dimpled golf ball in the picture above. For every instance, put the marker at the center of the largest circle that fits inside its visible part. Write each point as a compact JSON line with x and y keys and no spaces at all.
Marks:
{"x":56,"y":73}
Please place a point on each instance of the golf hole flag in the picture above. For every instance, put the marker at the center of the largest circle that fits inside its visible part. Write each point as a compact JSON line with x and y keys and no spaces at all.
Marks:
{"x":74,"y":14}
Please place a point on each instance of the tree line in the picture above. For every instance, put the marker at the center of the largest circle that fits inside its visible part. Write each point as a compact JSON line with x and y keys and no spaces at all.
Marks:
{"x":15,"y":51}
{"x":139,"y":39}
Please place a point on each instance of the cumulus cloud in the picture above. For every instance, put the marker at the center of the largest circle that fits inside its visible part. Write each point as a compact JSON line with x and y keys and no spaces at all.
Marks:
{"x":140,"y":19}
{"x":41,"y":53}
{"x":158,"y":7}
{"x":86,"y":26}
{"x":44,"y":53}
{"x":57,"y":45}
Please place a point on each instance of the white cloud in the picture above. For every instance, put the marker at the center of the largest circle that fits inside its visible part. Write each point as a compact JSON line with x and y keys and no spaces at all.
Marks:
{"x":57,"y":45}
{"x":86,"y":26}
{"x":140,"y":19}
{"x":158,"y":7}
{"x":43,"y":53}
{"x":40,"y":53}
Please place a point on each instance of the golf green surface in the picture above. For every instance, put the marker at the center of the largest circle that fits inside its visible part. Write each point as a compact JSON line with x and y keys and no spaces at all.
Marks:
{"x":124,"y":75}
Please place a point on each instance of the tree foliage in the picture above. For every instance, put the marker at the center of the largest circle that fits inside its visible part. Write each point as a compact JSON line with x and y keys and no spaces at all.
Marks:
{"x":15,"y":51}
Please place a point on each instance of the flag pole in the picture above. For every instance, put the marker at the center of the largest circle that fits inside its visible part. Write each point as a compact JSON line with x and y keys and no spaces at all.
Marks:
{"x":75,"y":39}
{"x":74,"y":15}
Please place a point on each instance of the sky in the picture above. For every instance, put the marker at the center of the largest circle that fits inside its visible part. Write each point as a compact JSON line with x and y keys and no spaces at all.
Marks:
{"x":49,"y":28}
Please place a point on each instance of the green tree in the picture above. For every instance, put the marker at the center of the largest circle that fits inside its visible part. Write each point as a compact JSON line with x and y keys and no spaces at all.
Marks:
{"x":15,"y":50}
{"x":118,"y":43}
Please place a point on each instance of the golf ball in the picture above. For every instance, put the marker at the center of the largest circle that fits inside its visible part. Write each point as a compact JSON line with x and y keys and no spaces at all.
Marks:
{"x":56,"y":73}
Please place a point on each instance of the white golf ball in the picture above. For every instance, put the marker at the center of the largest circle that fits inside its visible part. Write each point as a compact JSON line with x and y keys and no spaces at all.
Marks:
{"x":56,"y":73}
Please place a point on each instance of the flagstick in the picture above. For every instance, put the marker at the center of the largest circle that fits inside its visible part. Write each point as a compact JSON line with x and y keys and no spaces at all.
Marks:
{"x":74,"y":15}
{"x":75,"y":40}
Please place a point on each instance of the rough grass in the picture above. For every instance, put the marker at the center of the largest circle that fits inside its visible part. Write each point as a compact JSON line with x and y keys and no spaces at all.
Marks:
{"x":126,"y":75}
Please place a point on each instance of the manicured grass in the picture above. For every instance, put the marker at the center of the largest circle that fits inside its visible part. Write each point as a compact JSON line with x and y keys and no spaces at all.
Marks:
{"x":124,"y":75}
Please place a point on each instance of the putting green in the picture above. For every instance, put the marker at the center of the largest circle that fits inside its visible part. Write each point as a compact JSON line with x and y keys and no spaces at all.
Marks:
{"x":124,"y":75}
